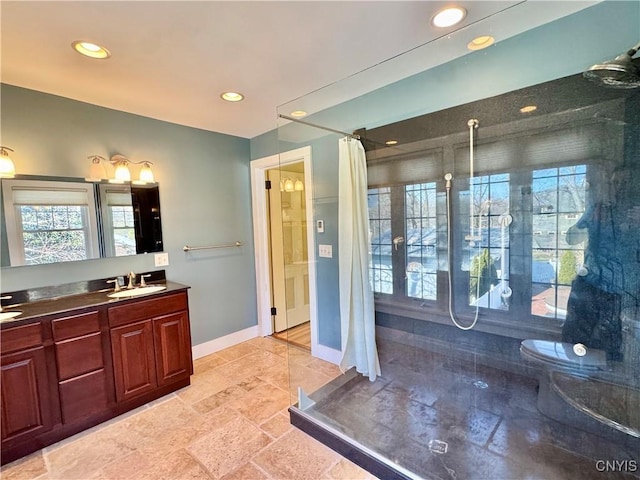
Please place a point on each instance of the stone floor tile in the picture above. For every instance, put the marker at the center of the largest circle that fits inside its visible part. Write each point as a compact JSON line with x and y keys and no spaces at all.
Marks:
{"x":248,"y":471}
{"x":229,"y":447}
{"x":296,"y":456}
{"x":261,"y":403}
{"x":346,"y":470}
{"x":277,"y":425}
{"x":26,"y":468}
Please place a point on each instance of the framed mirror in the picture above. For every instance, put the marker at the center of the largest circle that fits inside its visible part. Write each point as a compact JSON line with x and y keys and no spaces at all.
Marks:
{"x":51,"y":220}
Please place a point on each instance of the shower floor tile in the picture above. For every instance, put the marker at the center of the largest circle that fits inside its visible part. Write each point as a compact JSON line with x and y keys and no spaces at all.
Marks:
{"x":491,"y":433}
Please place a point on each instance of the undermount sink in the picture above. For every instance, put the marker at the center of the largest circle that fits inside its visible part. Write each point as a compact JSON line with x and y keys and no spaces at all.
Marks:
{"x":134,"y":292}
{"x":4,"y":316}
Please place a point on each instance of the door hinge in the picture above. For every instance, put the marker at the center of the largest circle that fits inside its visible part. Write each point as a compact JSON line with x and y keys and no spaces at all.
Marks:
{"x":267,"y":184}
{"x":274,"y":311}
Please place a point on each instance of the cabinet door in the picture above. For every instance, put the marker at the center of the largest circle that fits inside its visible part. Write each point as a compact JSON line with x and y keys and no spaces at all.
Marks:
{"x":26,"y":402}
{"x":133,"y":360}
{"x":173,"y":349}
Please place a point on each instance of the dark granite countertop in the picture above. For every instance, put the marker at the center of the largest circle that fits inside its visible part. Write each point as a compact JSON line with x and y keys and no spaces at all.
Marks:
{"x":35,"y":310}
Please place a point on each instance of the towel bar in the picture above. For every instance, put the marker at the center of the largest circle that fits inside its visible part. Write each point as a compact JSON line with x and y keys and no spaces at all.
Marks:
{"x":187,"y":248}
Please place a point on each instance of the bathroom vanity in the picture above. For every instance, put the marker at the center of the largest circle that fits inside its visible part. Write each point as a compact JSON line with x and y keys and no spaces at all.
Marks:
{"x":72,"y":362}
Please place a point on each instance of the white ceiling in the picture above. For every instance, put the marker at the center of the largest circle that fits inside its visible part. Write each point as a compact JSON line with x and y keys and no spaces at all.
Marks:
{"x":172,"y":59}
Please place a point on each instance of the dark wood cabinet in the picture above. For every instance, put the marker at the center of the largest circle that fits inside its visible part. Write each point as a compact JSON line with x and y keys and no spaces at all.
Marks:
{"x":133,"y":360}
{"x":26,"y":405}
{"x":62,"y":373}
{"x":172,"y":347}
{"x":151,"y":345}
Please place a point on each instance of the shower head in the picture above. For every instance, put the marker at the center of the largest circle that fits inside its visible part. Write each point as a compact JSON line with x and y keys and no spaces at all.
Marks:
{"x":620,"y":72}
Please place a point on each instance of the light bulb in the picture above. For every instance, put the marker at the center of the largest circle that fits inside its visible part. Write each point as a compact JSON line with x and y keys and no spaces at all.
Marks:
{"x":7,"y":168}
{"x":288,"y":185}
{"x":146,"y":174}
{"x":122,"y":173}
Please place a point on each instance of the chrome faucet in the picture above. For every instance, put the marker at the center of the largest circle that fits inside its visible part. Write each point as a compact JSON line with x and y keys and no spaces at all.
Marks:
{"x":132,"y":280}
{"x":5,"y":297}
{"x":116,"y":284}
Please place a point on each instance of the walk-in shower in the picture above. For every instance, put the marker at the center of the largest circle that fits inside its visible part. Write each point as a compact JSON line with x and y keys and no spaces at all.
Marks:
{"x":508,"y":205}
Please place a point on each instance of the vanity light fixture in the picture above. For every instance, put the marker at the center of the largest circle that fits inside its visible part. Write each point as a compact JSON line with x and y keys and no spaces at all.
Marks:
{"x":232,"y":96}
{"x":448,"y":17}
{"x":91,"y":50}
{"x":97,"y":172}
{"x":288,"y":185}
{"x":481,"y":42}
{"x":7,"y":168}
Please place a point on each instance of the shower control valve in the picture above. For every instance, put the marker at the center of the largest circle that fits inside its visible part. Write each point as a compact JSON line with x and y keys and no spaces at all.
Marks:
{"x":396,"y":241}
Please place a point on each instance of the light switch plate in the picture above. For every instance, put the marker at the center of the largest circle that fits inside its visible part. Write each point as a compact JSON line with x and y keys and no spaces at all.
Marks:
{"x":320,"y":226}
{"x":325,"y":251}
{"x":161,"y":259}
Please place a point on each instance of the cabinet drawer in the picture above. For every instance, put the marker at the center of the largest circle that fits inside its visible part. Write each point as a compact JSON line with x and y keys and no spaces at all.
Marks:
{"x":17,"y":338}
{"x":143,"y":309}
{"x":79,"y":355}
{"x":82,"y":396}
{"x":76,"y":326}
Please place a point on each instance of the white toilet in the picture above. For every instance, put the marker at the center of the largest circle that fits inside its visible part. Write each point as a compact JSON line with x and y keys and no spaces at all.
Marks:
{"x":562,"y":355}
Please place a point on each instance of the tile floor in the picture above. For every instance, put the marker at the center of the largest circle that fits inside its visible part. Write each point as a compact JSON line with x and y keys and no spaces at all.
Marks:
{"x":230,"y":423}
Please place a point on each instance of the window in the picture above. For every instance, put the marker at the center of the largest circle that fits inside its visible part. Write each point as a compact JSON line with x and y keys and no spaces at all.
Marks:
{"x":118,"y":220}
{"x":489,"y":252}
{"x":421,"y":236}
{"x":412,"y":237}
{"x":559,"y":196}
{"x":381,"y":272}
{"x":49,"y":222}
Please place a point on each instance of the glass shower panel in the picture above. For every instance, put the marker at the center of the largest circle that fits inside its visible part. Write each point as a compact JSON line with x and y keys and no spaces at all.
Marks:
{"x":533,"y":255}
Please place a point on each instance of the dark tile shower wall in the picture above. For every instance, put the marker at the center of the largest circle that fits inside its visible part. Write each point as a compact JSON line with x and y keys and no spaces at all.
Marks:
{"x":603,"y":310}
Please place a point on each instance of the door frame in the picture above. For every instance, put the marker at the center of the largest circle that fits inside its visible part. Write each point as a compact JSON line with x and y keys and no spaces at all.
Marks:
{"x":261,"y":240}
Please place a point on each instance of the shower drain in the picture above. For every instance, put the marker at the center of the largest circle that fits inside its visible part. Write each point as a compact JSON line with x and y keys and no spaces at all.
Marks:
{"x":480,"y":384}
{"x":438,"y":446}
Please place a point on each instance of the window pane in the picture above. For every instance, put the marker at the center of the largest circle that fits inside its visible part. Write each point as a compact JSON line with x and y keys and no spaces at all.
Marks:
{"x":559,"y":203}
{"x":54,"y":246}
{"x":380,"y":269}
{"x":420,"y":237}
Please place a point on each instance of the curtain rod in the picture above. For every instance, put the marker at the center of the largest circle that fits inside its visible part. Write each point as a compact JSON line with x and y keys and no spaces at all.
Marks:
{"x":352,"y":135}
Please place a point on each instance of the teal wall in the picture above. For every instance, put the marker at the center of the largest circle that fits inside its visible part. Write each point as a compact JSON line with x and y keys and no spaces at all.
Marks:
{"x":558,"y":49}
{"x":204,"y":195}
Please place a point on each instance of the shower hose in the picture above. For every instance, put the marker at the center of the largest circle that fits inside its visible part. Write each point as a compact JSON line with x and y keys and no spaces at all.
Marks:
{"x":472,"y":124}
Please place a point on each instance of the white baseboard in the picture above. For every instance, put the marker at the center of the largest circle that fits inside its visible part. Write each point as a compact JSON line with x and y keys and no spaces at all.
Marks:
{"x":327,"y":353}
{"x":221,"y":343}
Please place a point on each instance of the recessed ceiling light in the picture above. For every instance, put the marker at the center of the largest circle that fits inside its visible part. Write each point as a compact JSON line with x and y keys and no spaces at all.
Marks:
{"x":449,"y":17}
{"x":528,"y":108}
{"x":391,"y":142}
{"x":298,"y":113}
{"x":232,"y":96}
{"x":89,"y":49}
{"x":481,"y":42}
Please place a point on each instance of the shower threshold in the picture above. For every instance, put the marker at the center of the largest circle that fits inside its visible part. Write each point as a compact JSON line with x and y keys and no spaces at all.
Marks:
{"x":349,"y":448}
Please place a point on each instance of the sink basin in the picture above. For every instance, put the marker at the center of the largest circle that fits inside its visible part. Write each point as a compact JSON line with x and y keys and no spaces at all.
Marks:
{"x":134,"y":292}
{"x":5,"y":316}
